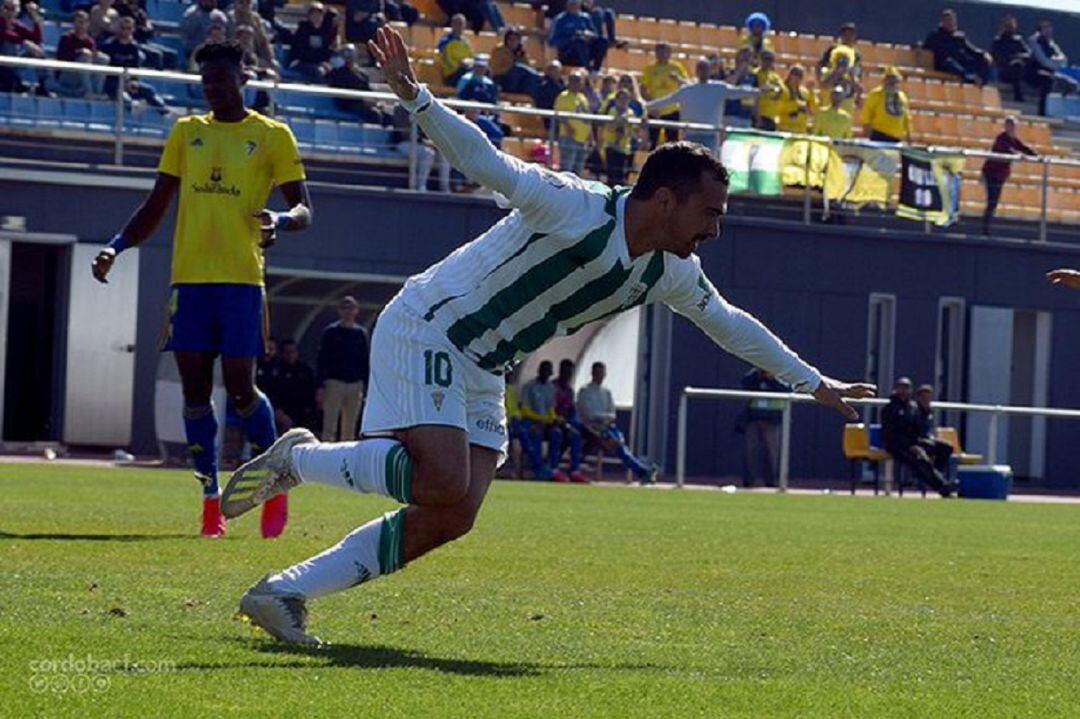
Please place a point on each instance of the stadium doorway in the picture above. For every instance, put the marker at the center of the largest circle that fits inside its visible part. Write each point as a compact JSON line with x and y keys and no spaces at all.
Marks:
{"x":1009,"y":363}
{"x":66,"y":343}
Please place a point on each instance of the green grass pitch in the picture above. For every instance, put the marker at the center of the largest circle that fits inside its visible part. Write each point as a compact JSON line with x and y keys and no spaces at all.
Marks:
{"x":565,"y":601}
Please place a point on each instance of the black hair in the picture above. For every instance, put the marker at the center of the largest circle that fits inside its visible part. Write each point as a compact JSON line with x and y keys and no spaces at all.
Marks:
{"x":677,"y":166}
{"x":565,"y":363}
{"x":545,"y":362}
{"x":229,"y":51}
{"x":598,"y":365}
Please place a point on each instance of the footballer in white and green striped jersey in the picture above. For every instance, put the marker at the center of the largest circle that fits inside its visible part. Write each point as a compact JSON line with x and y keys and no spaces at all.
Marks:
{"x":569,"y":253}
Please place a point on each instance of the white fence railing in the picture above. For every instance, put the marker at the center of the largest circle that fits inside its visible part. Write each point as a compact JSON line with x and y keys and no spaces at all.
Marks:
{"x":720,"y":130}
{"x":995,"y":411}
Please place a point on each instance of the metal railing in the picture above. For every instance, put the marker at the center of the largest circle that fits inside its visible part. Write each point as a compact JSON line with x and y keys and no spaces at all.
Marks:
{"x":995,"y":411}
{"x":720,"y":131}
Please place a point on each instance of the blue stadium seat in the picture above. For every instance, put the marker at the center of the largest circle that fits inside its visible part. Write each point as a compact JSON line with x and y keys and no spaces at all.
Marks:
{"x":50,"y":111}
{"x":51,"y":33}
{"x":326,"y":135}
{"x":166,"y":13}
{"x":23,"y":111}
{"x":304,"y":131}
{"x":378,"y":138}
{"x":76,"y":114}
{"x":351,"y":136}
{"x":102,"y":116}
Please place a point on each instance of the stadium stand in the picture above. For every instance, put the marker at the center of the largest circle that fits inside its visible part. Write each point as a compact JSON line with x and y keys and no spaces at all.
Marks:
{"x":945,"y":112}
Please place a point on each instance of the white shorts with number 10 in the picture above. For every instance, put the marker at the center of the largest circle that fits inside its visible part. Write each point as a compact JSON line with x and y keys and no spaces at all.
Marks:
{"x":418,"y":377}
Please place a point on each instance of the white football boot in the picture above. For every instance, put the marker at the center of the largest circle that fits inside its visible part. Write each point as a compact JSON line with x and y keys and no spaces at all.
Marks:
{"x":265,"y":476}
{"x":283,"y":615}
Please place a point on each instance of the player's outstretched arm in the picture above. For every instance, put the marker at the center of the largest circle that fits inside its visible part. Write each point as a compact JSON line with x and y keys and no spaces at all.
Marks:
{"x":744,"y":336}
{"x":1065,"y":278}
{"x":462,"y":142}
{"x":140,"y":226}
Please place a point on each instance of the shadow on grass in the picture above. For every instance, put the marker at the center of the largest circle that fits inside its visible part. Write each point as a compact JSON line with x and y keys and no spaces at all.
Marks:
{"x":61,"y":537}
{"x":358,"y":656}
{"x":376,"y":657}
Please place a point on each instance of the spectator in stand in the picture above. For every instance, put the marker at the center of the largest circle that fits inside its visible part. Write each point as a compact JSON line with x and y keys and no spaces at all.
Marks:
{"x":716,"y":67}
{"x":539,"y":423}
{"x":770,"y":93}
{"x":703,"y":101}
{"x":845,"y":38}
{"x":660,"y":79}
{"x":266,"y":367}
{"x":294,"y":390}
{"x":843,"y":72}
{"x":597,"y":410}
{"x":347,"y":74}
{"x":364,"y":17}
{"x":939,"y":451}
{"x":598,"y":98}
{"x":103,"y":17}
{"x":124,"y":51}
{"x":159,"y":57}
{"x":798,"y":104}
{"x":603,"y":19}
{"x":477,"y":85}
{"x":886,"y":114}
{"x":216,"y":34}
{"x":195,"y":25}
{"x":573,"y":134}
{"x":576,"y":39}
{"x":510,"y":65}
{"x":637,"y":102}
{"x":1011,"y":56}
{"x":995,"y":173}
{"x":268,"y":12}
{"x":617,"y":138}
{"x":77,"y":46}
{"x":476,"y":12}
{"x":243,"y":12}
{"x":313,"y":43}
{"x":259,"y":65}
{"x":756,"y":39}
{"x":426,"y":153}
{"x":1045,"y":70}
{"x":551,"y":86}
{"x":566,"y":412}
{"x":900,"y":434}
{"x":834,"y":120}
{"x":455,"y":52}
{"x":515,"y":434}
{"x":955,"y":54}
{"x":743,"y":75}
{"x":21,"y":41}
{"x":343,"y":372}
{"x":761,"y":428}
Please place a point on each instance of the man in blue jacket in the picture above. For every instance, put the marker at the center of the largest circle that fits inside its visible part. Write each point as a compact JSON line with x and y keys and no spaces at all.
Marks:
{"x":574,"y":35}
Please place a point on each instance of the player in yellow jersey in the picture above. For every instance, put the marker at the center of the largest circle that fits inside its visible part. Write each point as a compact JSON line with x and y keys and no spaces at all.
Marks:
{"x":224,"y":165}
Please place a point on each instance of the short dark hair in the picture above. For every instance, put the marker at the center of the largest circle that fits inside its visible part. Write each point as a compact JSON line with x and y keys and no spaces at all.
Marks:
{"x":677,"y":166}
{"x":598,"y":365}
{"x":565,"y":363}
{"x":229,"y":51}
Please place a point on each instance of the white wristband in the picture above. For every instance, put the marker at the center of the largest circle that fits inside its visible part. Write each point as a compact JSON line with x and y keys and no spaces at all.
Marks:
{"x":421,"y":102}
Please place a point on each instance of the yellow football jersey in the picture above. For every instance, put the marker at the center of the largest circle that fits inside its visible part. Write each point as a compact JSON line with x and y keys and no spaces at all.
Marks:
{"x":226,"y":171}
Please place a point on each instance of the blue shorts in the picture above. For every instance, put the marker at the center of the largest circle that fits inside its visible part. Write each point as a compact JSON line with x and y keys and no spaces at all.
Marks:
{"x":226,"y":320}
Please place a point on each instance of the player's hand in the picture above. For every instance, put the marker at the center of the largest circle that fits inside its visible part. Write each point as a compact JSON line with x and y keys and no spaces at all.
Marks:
{"x":268,"y":227}
{"x":831,"y":393}
{"x":1065,"y":278}
{"x":392,"y":55}
{"x":102,"y":264}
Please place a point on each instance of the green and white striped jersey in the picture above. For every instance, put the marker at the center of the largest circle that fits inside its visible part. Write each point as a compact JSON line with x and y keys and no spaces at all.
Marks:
{"x":559,"y":261}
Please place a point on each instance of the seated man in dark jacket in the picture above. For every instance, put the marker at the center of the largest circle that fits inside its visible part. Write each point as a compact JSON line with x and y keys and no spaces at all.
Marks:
{"x":1011,"y":56}
{"x":955,"y":54}
{"x":940,"y":452}
{"x":900,"y":432}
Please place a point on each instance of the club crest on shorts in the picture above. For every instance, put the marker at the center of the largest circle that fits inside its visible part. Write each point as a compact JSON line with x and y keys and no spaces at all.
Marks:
{"x":437,"y":397}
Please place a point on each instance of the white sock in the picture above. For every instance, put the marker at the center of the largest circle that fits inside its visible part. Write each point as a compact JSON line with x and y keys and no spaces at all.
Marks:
{"x":370,"y":466}
{"x":364,"y":554}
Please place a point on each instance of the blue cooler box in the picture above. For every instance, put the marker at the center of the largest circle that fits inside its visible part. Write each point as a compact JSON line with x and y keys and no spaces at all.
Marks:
{"x":985,"y":481}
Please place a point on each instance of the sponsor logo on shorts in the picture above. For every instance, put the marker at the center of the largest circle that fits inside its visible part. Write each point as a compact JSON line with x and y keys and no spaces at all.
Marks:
{"x":487,"y":424}
{"x":438,"y":396}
